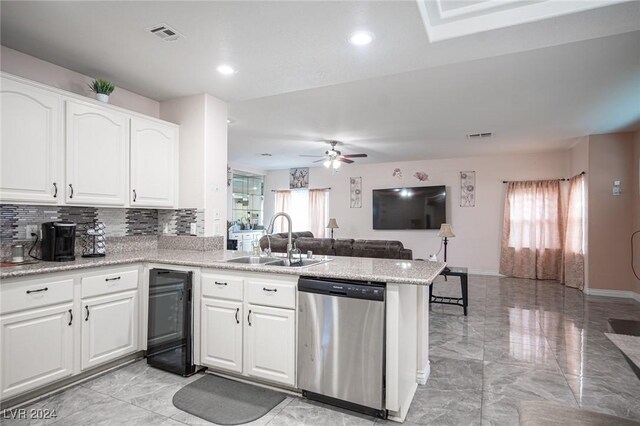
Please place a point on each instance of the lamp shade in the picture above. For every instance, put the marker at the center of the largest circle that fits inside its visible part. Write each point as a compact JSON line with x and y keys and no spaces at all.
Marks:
{"x":332,"y":224}
{"x":446,"y":231}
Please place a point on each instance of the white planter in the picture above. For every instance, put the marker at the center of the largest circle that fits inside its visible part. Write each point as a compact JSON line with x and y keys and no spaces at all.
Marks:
{"x":102,"y":97}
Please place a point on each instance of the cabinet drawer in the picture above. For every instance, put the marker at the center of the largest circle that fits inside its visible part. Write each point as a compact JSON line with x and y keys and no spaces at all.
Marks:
{"x":222,"y":286}
{"x":271,"y":293}
{"x":33,"y":294}
{"x":113,"y":282}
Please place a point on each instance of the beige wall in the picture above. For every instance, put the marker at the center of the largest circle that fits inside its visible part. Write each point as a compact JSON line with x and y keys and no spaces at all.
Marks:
{"x":636,"y":211}
{"x":610,"y":217}
{"x":29,"y":67}
{"x":478,"y":229}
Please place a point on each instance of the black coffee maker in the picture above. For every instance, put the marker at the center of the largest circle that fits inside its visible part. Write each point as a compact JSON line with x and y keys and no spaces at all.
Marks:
{"x":58,"y":241}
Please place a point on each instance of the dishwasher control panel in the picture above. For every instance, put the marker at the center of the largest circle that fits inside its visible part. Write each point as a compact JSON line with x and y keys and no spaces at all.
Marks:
{"x":355,"y":290}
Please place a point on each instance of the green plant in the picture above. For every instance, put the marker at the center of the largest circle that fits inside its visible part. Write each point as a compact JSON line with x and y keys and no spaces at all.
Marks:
{"x":102,"y":86}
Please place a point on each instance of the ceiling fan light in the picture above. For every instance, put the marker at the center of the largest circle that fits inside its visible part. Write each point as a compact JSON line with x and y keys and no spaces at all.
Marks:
{"x":336,"y":164}
{"x":327,"y":164}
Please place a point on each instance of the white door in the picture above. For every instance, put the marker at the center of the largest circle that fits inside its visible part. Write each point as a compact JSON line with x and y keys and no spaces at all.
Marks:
{"x":154,"y":164}
{"x":270,"y":344}
{"x":97,"y":155}
{"x":109,"y":327}
{"x":221,"y":331}
{"x":37,"y":348}
{"x":31,"y":148}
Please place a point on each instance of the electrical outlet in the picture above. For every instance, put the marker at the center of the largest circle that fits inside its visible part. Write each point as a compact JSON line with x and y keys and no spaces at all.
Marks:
{"x":165,"y":228}
{"x":32,"y":229}
{"x":193,"y":229}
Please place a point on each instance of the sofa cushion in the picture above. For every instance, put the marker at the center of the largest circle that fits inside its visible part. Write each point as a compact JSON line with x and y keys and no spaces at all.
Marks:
{"x":319,"y":246}
{"x":377,"y":248}
{"x":343,"y":247}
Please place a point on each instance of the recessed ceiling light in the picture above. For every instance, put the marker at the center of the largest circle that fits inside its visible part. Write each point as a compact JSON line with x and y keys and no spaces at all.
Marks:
{"x":226,"y":69}
{"x":361,"y":38}
{"x":230,"y":121}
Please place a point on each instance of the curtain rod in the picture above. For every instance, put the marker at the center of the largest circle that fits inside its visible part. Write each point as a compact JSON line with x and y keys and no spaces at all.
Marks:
{"x":310,"y":189}
{"x":542,"y":180}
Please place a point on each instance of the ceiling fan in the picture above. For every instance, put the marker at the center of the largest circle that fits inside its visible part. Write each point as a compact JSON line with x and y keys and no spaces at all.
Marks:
{"x":332,"y":158}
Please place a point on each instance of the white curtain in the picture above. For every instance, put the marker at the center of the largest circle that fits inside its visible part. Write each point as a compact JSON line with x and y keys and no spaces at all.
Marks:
{"x":573,"y":255}
{"x":318,"y":212}
{"x":283,"y":199}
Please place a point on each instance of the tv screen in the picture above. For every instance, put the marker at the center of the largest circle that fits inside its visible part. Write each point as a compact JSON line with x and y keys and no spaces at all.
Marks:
{"x":422,"y":207}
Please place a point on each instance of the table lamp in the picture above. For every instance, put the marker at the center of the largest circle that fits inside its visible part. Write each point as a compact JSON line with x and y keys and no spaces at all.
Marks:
{"x":332,"y":225}
{"x":445,"y":233}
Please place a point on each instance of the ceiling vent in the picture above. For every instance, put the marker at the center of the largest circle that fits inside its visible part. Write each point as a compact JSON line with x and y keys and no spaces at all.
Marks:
{"x":479,"y":135}
{"x":165,"y":32}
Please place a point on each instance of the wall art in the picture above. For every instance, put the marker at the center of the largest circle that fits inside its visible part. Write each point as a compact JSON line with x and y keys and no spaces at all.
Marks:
{"x":299,"y":178}
{"x":397,"y":173}
{"x":468,"y":189}
{"x":356,"y":192}
{"x":421,"y":176}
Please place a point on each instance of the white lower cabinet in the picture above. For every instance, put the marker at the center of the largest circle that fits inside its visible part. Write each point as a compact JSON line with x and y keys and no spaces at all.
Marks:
{"x":109,"y":327}
{"x":221,"y":328}
{"x":37,"y":348}
{"x":253,"y":335}
{"x":270,"y":344}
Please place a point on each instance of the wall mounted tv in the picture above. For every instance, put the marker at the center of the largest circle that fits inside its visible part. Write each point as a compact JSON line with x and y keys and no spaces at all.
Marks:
{"x":422,"y":207}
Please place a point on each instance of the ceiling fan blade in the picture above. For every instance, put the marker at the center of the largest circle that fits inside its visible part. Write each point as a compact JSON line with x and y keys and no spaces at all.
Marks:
{"x":345,"y":160}
{"x":354,"y":156}
{"x":313,"y":156}
{"x":319,"y":161}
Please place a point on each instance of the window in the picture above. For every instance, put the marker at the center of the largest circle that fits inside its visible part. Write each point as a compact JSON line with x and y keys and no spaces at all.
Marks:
{"x":309,"y":210}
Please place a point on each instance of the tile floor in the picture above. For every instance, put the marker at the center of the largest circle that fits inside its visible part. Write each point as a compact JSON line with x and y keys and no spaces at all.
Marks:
{"x":522,"y":340}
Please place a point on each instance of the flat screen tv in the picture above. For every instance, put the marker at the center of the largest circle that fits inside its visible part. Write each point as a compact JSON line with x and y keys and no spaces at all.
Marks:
{"x":422,"y":207}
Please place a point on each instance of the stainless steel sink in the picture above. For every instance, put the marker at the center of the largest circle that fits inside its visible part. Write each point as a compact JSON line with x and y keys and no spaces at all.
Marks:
{"x":302,"y":263}
{"x":277,"y":261}
{"x":253,"y":260}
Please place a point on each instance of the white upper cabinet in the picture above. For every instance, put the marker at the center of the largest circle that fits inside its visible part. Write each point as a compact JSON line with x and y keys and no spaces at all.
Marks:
{"x":154,"y":164}
{"x":30,"y":152}
{"x":97,"y":154}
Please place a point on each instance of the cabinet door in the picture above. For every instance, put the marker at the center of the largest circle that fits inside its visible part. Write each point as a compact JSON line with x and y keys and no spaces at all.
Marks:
{"x":37,"y":348}
{"x":109,"y":328}
{"x":97,"y":155}
{"x":270,"y":344}
{"x":154,"y":164}
{"x":31,"y":148}
{"x":221,"y":331}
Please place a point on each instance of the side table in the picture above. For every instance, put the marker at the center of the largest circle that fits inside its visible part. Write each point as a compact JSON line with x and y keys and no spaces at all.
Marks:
{"x":453,"y":271}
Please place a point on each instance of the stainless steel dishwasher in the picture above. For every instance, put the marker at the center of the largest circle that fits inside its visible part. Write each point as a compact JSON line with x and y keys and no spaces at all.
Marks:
{"x":341,"y":343}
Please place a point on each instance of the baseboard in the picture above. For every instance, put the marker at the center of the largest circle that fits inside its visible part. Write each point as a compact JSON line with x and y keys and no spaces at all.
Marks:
{"x":423,"y":375}
{"x":625,"y":294}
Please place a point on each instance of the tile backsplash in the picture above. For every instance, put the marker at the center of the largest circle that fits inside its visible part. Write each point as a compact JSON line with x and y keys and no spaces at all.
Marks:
{"x":119,"y":222}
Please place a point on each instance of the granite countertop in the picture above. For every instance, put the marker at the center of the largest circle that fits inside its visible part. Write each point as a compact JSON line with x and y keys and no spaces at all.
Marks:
{"x":354,"y":268}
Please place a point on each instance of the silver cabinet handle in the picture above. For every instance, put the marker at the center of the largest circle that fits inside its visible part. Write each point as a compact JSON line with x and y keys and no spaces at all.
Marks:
{"x":249,"y":318}
{"x":87,"y":317}
{"x":71,"y":188}
{"x":112,"y":279}
{"x":217,"y":283}
{"x":269,"y":289}
{"x":135,"y":196}
{"x":38,"y":290}
{"x":237,"y":312}
{"x":55,"y":190}
{"x":70,"y":317}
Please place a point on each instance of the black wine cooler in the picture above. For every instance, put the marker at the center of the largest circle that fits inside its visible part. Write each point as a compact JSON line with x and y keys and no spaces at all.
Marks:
{"x":170,"y":331}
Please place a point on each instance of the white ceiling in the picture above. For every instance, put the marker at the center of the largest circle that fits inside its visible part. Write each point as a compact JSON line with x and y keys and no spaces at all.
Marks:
{"x":402,"y":97}
{"x":532,"y":101}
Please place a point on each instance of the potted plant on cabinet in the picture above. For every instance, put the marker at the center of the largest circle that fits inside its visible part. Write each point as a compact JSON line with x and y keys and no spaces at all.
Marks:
{"x":102,"y":89}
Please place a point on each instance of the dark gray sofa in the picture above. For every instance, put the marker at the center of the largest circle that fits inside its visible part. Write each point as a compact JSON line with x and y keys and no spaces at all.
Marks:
{"x":305,"y":241}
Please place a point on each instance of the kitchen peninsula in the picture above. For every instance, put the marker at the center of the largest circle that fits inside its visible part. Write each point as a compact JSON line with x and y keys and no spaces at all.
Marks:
{"x":115,"y":291}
